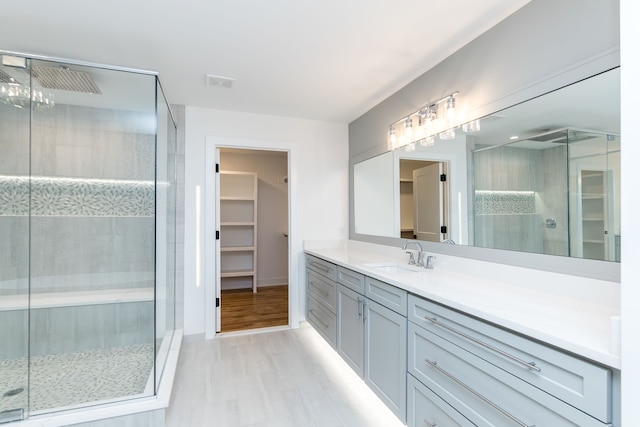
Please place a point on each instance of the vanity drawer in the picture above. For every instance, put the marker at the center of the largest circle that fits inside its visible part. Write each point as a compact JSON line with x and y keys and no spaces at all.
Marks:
{"x":351,"y":279}
{"x":427,"y":409}
{"x":580,"y":383}
{"x":323,"y":289}
{"x":325,"y":268}
{"x":482,"y":392}
{"x":386,"y":295}
{"x":322,"y":320}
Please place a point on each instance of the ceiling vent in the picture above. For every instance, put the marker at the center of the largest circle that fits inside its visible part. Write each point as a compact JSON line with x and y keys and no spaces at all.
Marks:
{"x":219,"y":81}
{"x":63,"y":78}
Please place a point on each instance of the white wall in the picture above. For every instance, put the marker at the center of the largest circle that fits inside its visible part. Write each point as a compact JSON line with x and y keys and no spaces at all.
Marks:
{"x":630,"y":10}
{"x":322,"y":183}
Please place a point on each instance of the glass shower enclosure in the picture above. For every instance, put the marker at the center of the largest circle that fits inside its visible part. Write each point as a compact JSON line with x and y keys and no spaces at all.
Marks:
{"x":87,"y":235}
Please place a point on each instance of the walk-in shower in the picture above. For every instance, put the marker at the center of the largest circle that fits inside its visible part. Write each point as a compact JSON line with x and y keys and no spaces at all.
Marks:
{"x":87,"y":235}
{"x":555,"y":193}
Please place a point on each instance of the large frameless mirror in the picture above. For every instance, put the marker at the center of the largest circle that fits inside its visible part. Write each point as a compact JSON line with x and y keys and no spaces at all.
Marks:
{"x":542,"y":177}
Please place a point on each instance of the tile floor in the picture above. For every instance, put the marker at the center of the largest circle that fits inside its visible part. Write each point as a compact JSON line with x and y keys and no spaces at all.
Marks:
{"x":68,"y":379}
{"x":286,"y":378}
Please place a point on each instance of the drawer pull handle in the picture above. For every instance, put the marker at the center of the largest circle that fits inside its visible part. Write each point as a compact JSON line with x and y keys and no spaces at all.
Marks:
{"x":318,"y":286}
{"x":360,"y":306}
{"x":319,"y":319}
{"x":320,"y":266}
{"x":528,"y":365}
{"x":429,"y":423}
{"x":477,"y":394}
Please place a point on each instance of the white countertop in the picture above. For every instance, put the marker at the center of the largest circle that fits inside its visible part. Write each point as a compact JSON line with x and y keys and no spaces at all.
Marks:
{"x":575,"y":314}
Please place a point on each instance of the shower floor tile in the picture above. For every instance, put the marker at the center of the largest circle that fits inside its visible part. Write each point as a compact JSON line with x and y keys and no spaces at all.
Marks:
{"x":71,"y":379}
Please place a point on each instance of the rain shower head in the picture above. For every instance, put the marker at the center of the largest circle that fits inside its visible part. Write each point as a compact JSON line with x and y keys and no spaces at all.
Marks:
{"x":563,"y":135}
{"x":63,"y":78}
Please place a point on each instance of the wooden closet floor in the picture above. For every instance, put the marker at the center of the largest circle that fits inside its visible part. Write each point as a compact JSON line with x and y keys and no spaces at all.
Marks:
{"x":242,"y":309}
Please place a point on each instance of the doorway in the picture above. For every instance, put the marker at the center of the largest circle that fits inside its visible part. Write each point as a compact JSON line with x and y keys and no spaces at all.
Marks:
{"x":252,"y":239}
{"x":424,"y":200}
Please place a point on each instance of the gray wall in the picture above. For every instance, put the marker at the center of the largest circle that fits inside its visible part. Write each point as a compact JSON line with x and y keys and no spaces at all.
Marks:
{"x":518,"y":58}
{"x":543,"y":46}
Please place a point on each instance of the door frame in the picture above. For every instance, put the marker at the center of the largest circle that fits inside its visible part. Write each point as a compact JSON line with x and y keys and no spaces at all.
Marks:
{"x":210,"y":197}
{"x":443,"y":200}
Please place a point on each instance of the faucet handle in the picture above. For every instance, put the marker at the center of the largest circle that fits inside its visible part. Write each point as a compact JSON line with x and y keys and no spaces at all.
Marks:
{"x":430,"y":260}
{"x":412,"y":259}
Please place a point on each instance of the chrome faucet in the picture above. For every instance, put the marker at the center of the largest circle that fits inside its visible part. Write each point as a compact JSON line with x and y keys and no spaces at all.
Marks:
{"x":421,"y":253}
{"x":430,"y":260}
{"x":448,"y":241}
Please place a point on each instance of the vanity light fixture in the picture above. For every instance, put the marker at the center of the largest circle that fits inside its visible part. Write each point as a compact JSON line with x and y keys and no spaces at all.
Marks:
{"x":392,"y":142}
{"x":472,"y":126}
{"x":427,"y":124}
{"x":20,"y":95}
{"x":451,"y":110}
{"x":448,"y":134}
{"x":428,"y":141}
{"x":408,"y":131}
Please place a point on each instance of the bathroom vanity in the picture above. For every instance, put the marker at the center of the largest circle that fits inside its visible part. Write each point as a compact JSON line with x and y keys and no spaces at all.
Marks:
{"x":469,"y":343}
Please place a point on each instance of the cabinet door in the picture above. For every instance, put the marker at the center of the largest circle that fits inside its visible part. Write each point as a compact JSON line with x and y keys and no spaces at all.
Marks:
{"x":350,"y":340}
{"x":386,"y":356}
{"x":427,"y":409}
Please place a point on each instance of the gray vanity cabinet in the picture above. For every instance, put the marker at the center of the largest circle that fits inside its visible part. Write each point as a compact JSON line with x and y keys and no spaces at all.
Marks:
{"x":350,"y":340}
{"x":494,"y":377}
{"x":385,"y":352}
{"x":427,"y":409}
{"x":321,"y":297}
{"x":372,"y":335}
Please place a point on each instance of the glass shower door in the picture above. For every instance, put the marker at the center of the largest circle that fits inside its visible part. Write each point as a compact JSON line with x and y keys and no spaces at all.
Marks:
{"x":92,"y":245}
{"x":14,"y":239}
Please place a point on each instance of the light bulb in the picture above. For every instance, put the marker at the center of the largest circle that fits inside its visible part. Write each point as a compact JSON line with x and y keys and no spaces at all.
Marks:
{"x":472,"y":126}
{"x":408,"y":130}
{"x":447,"y":134}
{"x":428,"y":141}
{"x":392,"y":141}
{"x":420,"y":129}
{"x":430,"y":117}
{"x":410,"y":147}
{"x":451,"y":108}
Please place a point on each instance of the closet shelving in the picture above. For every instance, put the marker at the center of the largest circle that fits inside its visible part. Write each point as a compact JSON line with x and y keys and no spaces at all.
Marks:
{"x":593,"y":214}
{"x":238,"y":228}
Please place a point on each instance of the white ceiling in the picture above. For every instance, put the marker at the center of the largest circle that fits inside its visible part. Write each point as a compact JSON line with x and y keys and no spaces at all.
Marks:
{"x":327,"y":60}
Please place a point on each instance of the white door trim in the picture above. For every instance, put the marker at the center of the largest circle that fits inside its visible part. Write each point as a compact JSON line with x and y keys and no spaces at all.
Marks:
{"x":295,"y":244}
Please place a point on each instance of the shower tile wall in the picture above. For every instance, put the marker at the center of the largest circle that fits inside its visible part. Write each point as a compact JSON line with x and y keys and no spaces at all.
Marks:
{"x":508,"y":220}
{"x":552,"y":200}
{"x":87,"y":238}
{"x":507,"y":169}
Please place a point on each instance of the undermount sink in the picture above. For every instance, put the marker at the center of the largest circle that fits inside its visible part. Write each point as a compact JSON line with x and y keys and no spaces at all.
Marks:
{"x":393,"y":268}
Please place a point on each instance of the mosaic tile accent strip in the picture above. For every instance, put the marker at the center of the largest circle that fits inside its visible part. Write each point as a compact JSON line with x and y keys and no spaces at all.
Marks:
{"x":75,"y":197}
{"x":62,"y":380}
{"x":505,"y":202}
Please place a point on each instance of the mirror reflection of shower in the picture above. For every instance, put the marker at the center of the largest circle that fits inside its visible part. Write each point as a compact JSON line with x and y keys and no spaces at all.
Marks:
{"x":555,"y":193}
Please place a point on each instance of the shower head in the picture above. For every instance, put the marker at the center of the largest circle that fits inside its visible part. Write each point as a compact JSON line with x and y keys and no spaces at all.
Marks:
{"x":63,"y":78}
